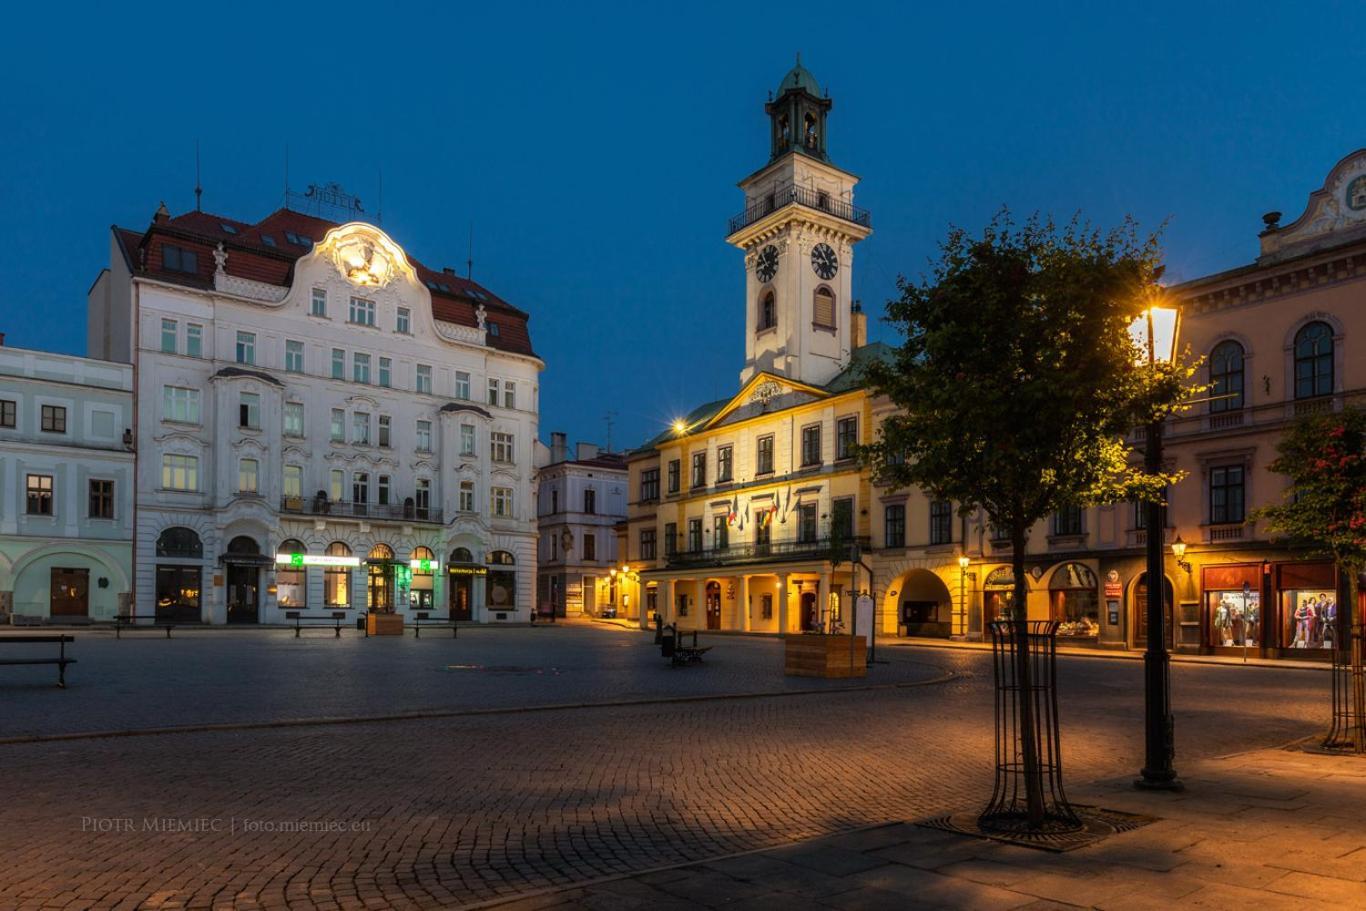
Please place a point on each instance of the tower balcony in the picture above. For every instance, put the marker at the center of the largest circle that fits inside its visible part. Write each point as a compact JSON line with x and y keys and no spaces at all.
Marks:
{"x":802,"y":196}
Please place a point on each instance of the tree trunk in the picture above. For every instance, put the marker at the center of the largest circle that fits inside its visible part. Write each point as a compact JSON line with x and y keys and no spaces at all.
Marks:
{"x":1357,"y":674}
{"x":1024,"y":682}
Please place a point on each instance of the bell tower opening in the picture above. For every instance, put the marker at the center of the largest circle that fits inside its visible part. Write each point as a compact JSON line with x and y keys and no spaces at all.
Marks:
{"x":798,"y":114}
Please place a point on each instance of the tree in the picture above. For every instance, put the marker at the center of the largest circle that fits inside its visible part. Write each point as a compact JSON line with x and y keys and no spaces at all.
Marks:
{"x":1324,"y":512}
{"x":1018,"y":382}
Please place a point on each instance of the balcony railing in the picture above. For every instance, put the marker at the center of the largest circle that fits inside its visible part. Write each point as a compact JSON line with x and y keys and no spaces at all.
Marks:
{"x":390,"y":512}
{"x":814,"y":199}
{"x":773,"y":551}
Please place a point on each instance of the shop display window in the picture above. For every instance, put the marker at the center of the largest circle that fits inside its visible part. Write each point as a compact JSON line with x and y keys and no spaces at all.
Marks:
{"x":1074,"y":601}
{"x":1235,"y":618}
{"x":1308,"y":618}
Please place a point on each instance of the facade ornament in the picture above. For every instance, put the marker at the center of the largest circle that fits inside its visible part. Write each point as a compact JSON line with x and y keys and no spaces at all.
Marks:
{"x":220,"y":259}
{"x":481,"y":315}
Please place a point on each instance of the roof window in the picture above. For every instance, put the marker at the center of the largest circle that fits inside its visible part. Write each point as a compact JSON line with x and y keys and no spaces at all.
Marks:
{"x":268,"y":240}
{"x":227,"y":228}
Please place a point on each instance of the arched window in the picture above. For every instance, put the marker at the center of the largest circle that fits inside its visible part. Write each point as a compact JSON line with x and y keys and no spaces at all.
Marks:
{"x":337,"y":579}
{"x":291,"y":581}
{"x":768,"y":310}
{"x":420,"y":554}
{"x":381,"y":552}
{"x":462,"y":555}
{"x":1226,"y":377}
{"x":1074,"y":601}
{"x":179,"y":542}
{"x":243,"y":545}
{"x":823,"y":311}
{"x":502,"y":558}
{"x":1313,"y":361}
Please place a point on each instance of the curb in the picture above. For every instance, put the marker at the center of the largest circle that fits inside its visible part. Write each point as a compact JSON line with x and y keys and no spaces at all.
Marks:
{"x":1285,"y":664}
{"x":945,"y":677}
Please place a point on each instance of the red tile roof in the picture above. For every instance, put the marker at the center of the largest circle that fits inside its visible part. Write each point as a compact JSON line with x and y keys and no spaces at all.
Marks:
{"x":251,"y":257}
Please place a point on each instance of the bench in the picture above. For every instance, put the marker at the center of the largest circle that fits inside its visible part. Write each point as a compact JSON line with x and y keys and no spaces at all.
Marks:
{"x":304,"y":621}
{"x":679,"y":655}
{"x":423,"y":618}
{"x":131,"y":622}
{"x":61,"y":660}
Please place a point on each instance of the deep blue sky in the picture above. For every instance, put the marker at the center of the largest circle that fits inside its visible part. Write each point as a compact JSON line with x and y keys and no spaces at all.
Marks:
{"x":596,"y":147}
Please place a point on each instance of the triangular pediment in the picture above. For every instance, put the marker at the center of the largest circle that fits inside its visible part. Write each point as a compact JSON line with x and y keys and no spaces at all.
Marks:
{"x":765,"y":393}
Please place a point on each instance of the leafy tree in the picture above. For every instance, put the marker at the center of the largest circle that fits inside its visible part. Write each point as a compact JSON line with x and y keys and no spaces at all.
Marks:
{"x":1018,"y":382}
{"x":1324,"y":511}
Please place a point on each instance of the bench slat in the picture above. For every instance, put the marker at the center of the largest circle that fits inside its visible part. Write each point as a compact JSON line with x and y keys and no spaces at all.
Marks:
{"x":37,"y":661}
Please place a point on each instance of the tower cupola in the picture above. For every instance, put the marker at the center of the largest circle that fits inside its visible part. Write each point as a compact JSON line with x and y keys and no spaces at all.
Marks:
{"x":798,"y":114}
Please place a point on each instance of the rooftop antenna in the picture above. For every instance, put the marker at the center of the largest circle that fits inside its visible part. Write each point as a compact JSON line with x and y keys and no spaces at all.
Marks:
{"x":198,"y":190}
{"x":610,"y":418}
{"x":469,"y":262}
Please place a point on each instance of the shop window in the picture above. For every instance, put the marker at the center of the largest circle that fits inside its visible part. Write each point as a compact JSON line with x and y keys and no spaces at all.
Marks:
{"x":291,"y":582}
{"x":178,"y":593}
{"x":337,"y":579}
{"x":1235,"y":617}
{"x":1074,"y":601}
{"x":1313,"y":361}
{"x":421,"y":591}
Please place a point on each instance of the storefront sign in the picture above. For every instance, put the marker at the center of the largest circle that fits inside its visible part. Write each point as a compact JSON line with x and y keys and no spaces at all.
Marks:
{"x":424,"y":566}
{"x":466,"y":570}
{"x":1114,"y":588}
{"x":297,"y":560}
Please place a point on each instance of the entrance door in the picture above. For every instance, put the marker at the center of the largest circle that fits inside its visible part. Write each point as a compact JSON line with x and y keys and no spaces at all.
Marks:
{"x":713,"y":605}
{"x":1138,"y":606}
{"x":811,"y":620}
{"x":70,"y":592}
{"x":244,"y":593}
{"x":462,"y":590}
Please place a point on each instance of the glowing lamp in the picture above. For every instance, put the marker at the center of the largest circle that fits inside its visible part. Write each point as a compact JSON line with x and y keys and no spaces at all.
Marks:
{"x":680,"y":425}
{"x":1154,"y":334}
{"x":964,"y":561}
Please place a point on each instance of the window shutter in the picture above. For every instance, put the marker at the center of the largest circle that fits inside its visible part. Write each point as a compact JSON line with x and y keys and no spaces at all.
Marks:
{"x":824,"y":314}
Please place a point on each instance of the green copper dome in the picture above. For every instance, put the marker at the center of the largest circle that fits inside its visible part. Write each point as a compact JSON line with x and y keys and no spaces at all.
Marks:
{"x":799,"y":77}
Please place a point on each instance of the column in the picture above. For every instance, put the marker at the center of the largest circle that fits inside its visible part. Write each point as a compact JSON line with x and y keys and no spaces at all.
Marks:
{"x":666,"y":594}
{"x":823,"y":599}
{"x":743,"y":592}
{"x":782,"y":604}
{"x":477,"y":595}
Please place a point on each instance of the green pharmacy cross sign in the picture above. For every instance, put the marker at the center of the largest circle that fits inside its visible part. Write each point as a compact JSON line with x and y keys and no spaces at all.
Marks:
{"x":296,"y":560}
{"x":424,"y":566}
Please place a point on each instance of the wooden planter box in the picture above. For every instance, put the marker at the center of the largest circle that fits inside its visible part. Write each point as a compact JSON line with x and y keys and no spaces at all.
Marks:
{"x":384,"y":624}
{"x":825,"y":656}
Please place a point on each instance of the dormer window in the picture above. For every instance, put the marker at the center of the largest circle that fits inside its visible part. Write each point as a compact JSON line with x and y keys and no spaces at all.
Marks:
{"x":227,"y":228}
{"x":178,"y":259}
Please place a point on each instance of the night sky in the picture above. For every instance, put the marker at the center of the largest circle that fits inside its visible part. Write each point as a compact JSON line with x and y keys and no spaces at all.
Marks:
{"x":595,"y":148}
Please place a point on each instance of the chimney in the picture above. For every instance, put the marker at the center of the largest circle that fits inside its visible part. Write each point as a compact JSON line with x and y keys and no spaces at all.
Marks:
{"x":448,"y":270}
{"x":559,"y":447}
{"x":587,"y":451}
{"x":858,"y":327}
{"x":2,"y":339}
{"x":162,"y":214}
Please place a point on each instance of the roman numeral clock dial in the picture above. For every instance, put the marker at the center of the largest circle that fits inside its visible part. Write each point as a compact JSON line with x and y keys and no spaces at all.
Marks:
{"x":824,"y":261}
{"x":766,"y":263}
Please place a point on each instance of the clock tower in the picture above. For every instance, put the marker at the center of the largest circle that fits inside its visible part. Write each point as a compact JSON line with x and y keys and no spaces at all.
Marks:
{"x":798,"y":231}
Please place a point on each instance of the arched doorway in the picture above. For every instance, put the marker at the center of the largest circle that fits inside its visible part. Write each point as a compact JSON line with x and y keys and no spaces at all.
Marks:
{"x":1138,"y":609}
{"x":713,"y":595}
{"x":810,"y":612}
{"x":379,"y":590}
{"x":924,"y":605}
{"x":179,"y":575}
{"x":461,"y":573}
{"x":243,"y":561}
{"x":1074,"y":602}
{"x":998,"y":597}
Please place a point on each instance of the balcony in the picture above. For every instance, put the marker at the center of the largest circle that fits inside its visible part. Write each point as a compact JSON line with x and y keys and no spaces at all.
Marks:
{"x":772,"y":552}
{"x":812,"y":199}
{"x":341,"y":509}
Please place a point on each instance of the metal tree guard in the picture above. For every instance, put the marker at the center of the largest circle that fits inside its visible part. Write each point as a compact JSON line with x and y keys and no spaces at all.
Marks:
{"x":1348,"y":731}
{"x":1008,"y":810}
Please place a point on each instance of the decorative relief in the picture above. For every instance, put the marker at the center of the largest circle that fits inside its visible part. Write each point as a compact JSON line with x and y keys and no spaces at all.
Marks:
{"x":245,"y":287}
{"x":458,"y":333}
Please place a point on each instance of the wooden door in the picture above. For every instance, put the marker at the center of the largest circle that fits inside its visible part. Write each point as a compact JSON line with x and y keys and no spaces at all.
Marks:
{"x":70,"y":592}
{"x":713,"y":605}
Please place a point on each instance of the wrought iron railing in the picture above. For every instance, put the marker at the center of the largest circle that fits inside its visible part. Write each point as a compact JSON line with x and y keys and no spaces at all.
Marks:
{"x":755,"y":552}
{"x":396,"y":512}
{"x":814,"y":199}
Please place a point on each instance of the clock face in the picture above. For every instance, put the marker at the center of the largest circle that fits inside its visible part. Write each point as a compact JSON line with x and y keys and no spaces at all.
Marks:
{"x":766,"y":263}
{"x":824,"y":261}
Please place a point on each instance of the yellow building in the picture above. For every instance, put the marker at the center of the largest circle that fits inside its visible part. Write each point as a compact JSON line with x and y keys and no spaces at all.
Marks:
{"x":743,"y":514}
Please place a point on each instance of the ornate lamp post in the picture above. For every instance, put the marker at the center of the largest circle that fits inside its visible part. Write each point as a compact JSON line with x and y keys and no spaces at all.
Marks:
{"x":1154,"y":334}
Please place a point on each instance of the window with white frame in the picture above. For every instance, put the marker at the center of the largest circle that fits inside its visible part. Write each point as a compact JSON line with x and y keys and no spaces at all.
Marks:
{"x":502,"y":502}
{"x":386,"y":372}
{"x":493,"y":391}
{"x":338,"y":364}
{"x":467,"y":496}
{"x":360,"y":488}
{"x":384,"y":431}
{"x":249,"y":411}
{"x":194,"y":340}
{"x":179,"y":472}
{"x":422,"y":497}
{"x":338,"y":432}
{"x":404,"y":322}
{"x":294,"y":481}
{"x":424,"y":378}
{"x":246,"y":348}
{"x":501,"y":447}
{"x":294,"y":356}
{"x":248,"y":475}
{"x":318,"y":307}
{"x":294,"y":419}
{"x":168,"y":336}
{"x":180,"y":404}
{"x":467,"y":439}
{"x":336,"y":485}
{"x":509,"y":394}
{"x":362,"y":311}
{"x":360,"y":368}
{"x":462,"y":385}
{"x":382,"y":490}
{"x":360,"y":427}
{"x":424,"y":436}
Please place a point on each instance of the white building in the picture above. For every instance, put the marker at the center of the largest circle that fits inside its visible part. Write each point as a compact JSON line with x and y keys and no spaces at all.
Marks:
{"x":579,"y":502}
{"x":66,"y":486}
{"x":322,"y":423}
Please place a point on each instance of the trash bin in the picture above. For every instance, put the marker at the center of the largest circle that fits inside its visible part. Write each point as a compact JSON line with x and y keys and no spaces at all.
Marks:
{"x":666,"y":644}
{"x":360,"y":622}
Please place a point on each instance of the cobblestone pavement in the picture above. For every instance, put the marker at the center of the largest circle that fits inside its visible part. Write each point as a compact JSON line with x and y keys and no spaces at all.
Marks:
{"x":438,"y":813}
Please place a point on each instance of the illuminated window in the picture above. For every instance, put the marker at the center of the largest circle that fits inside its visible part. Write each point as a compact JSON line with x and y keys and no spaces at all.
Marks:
{"x":39,"y":495}
{"x":179,"y":472}
{"x":54,"y":419}
{"x":248,"y":476}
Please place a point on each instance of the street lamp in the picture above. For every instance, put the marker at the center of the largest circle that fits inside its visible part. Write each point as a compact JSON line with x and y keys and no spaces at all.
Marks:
{"x":1154,"y":334}
{"x":963,"y":561}
{"x":1179,"y":552}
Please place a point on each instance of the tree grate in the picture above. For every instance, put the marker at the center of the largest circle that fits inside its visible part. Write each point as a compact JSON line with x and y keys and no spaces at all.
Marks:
{"x":1097,"y":825}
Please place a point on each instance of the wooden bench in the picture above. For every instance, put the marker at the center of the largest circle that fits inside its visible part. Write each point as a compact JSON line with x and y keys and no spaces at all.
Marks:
{"x":679,"y":655}
{"x":304,"y":621}
{"x":130,"y":621}
{"x":423,"y":618}
{"x":61,"y":660}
